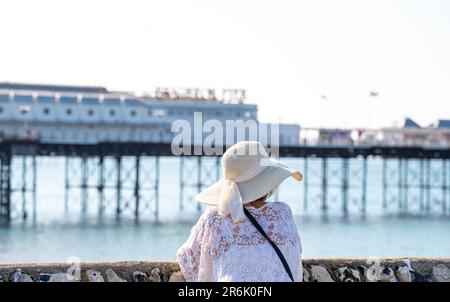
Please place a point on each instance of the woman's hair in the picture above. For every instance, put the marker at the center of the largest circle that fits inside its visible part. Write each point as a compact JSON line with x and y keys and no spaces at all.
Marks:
{"x":264,"y":197}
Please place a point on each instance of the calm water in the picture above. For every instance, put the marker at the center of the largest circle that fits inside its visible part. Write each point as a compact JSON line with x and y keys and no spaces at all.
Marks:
{"x":57,"y":235}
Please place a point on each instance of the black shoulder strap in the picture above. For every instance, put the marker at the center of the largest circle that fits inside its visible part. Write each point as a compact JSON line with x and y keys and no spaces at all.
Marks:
{"x":275,"y":247}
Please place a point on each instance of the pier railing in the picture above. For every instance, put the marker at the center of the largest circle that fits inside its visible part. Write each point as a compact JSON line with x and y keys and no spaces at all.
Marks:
{"x":63,"y":133}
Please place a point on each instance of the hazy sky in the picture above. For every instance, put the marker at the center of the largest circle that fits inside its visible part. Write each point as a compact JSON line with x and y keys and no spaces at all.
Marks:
{"x":285,"y":53}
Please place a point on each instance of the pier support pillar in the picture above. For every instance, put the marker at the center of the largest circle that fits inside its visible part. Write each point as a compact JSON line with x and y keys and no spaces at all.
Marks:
{"x":218,"y":174}
{"x":384,"y":181}
{"x":444,"y":186}
{"x":66,"y":184}
{"x":405,"y":185}
{"x":305,"y":184}
{"x":156,"y":189}
{"x":428,"y":186}
{"x":84,"y":184}
{"x":5,"y":187}
{"x":23,"y":188}
{"x":137,"y":187}
{"x":324,"y":205}
{"x":118,"y":186}
{"x":400,"y":185}
{"x":195,"y":173}
{"x":34,"y":187}
{"x":422,"y":185}
{"x":199,"y":180}
{"x":101,"y":185}
{"x":181,"y":191}
{"x":345,"y":173}
{"x":364,"y":187}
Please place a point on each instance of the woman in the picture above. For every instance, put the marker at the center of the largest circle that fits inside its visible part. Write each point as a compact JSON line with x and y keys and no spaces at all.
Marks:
{"x":243,"y":237}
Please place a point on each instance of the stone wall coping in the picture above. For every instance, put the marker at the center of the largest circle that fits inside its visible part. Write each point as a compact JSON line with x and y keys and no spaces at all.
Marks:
{"x":408,"y":269}
{"x":174,"y":262}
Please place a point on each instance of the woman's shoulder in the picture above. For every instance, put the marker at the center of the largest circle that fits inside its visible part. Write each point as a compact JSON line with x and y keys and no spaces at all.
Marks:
{"x":281,"y":206}
{"x":212,"y":221}
{"x":207,"y":220}
{"x":211,"y":211}
{"x":210,"y":214}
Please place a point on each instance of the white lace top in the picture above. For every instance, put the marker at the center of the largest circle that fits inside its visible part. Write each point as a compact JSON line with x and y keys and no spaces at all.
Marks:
{"x":220,"y":250}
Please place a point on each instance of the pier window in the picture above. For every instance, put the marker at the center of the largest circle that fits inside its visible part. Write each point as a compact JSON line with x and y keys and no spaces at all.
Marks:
{"x":159,"y":112}
{"x":133,"y":113}
{"x":24,"y":109}
{"x":112,"y":112}
{"x":68,"y":111}
{"x":90,"y":112}
{"x":46,"y":111}
{"x":1,"y":109}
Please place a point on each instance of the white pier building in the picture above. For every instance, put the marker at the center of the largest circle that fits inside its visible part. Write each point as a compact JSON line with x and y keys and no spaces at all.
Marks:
{"x":86,"y":115}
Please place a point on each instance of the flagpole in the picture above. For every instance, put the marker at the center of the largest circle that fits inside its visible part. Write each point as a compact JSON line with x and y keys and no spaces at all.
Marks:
{"x":372,"y":95}
{"x":320,"y":113}
{"x":368,"y":111}
{"x":323,"y":98}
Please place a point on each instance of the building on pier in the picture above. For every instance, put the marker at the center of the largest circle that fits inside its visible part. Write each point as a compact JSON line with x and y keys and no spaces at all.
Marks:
{"x":413,"y":135}
{"x":87,"y":115}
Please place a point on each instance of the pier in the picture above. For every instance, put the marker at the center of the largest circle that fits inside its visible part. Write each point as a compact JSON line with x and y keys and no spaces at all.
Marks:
{"x":126,"y":176}
{"x":112,"y":143}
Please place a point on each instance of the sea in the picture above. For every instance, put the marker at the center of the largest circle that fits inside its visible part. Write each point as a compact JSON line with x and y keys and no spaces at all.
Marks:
{"x":375,"y":225}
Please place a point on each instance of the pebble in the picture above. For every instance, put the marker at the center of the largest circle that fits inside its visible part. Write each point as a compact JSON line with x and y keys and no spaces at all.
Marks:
{"x":111,"y":276}
{"x":57,"y":277}
{"x":441,"y":273}
{"x":94,"y":276}
{"x":347,"y":274}
{"x":140,"y":277}
{"x":404,"y":272}
{"x":386,"y":275}
{"x":44,"y":277}
{"x":19,"y":276}
{"x":377,"y":273}
{"x":176,"y":277}
{"x":320,"y":274}
{"x":62,"y":277}
{"x":416,"y":277}
{"x":306,"y":275}
{"x":155,"y":275}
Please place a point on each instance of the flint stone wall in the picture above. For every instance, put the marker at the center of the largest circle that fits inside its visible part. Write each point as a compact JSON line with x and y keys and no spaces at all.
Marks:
{"x":315,"y":270}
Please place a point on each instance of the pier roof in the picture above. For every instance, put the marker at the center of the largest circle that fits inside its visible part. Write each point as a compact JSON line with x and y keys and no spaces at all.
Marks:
{"x":444,"y":124}
{"x":52,"y":88}
{"x":409,"y":123}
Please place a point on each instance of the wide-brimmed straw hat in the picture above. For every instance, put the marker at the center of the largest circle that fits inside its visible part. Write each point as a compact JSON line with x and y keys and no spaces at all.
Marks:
{"x":249,"y":174}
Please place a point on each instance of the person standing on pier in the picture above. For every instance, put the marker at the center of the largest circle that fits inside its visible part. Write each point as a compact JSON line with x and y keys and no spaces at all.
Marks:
{"x":242,"y":237}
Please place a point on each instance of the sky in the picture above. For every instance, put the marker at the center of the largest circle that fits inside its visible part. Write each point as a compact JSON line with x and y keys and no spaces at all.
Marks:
{"x":286,"y":54}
